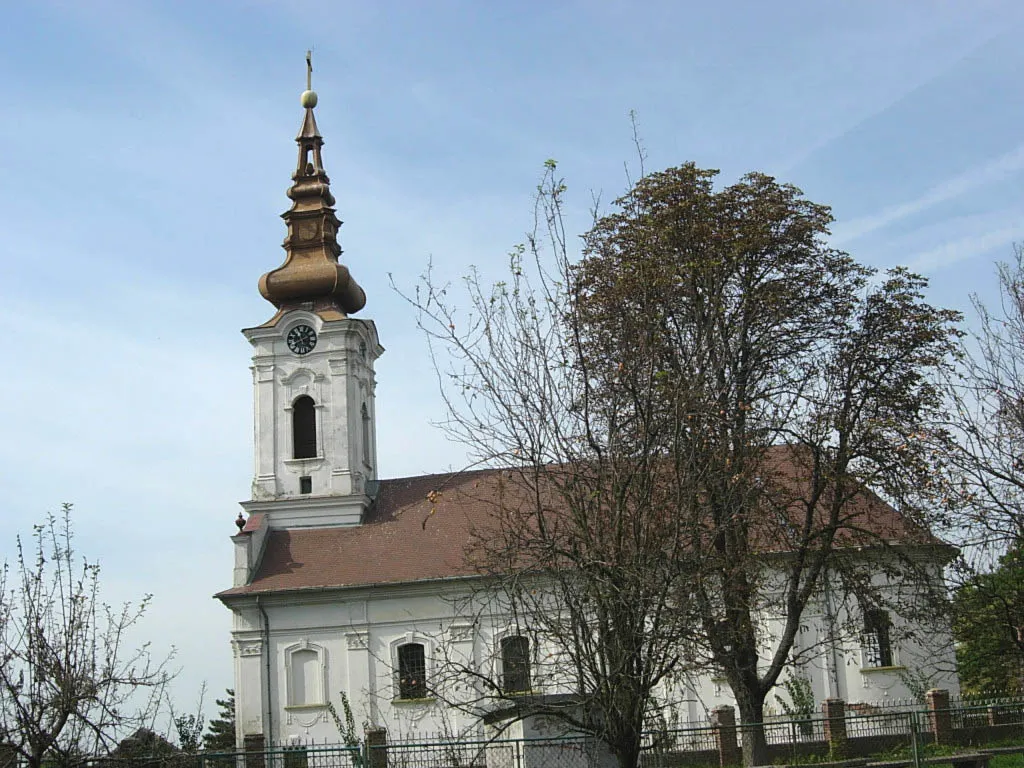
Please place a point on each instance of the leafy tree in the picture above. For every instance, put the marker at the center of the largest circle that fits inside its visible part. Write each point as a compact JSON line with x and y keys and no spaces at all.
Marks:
{"x":144,"y":744}
{"x":989,"y":627}
{"x":70,"y":682}
{"x":691,"y":416}
{"x":189,"y":727}
{"x":221,"y":734}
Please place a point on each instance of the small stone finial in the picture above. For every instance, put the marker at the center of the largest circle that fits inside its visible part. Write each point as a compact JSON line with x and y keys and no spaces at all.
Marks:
{"x":308,"y":97}
{"x":240,"y":522}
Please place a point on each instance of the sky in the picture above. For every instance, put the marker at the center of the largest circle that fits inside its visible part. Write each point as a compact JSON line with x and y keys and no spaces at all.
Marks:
{"x":145,"y":148}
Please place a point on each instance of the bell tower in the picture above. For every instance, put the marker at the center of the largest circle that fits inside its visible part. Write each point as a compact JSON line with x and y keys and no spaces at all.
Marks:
{"x":312,"y":365}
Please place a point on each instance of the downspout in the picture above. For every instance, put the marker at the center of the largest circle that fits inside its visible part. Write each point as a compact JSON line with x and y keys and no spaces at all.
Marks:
{"x":268,"y":711}
{"x":832,"y":661}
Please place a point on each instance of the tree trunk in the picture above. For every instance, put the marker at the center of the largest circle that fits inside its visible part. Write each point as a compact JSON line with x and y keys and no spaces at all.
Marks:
{"x":751,"y":728}
{"x":628,"y":755}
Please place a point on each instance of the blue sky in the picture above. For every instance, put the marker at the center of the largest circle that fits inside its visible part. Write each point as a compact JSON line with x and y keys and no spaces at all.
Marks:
{"x":145,"y":149}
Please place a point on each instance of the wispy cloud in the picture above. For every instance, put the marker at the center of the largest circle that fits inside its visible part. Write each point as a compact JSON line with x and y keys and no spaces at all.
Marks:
{"x":964,"y":248}
{"x":991,"y":172}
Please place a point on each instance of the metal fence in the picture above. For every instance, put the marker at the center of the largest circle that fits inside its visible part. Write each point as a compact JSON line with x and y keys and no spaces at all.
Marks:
{"x":863,"y":723}
{"x":966,"y":721}
{"x":292,"y":756}
{"x":570,"y":752}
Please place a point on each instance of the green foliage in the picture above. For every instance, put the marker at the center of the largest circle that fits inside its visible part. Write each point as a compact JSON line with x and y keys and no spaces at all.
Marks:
{"x":801,"y":697}
{"x":190,"y":732}
{"x":1007,"y":761}
{"x":221,"y":734}
{"x":143,"y":743}
{"x":989,"y":627}
{"x":801,"y":705}
{"x":917,"y":682}
{"x":347,"y":727}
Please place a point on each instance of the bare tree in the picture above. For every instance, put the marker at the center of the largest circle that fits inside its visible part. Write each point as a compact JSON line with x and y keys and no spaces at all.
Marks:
{"x":987,"y":466}
{"x":690,"y":417}
{"x":71,"y":684}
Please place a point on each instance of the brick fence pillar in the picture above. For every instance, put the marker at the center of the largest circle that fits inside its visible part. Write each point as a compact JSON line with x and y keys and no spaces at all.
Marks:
{"x":834,"y":711}
{"x":939,"y":717}
{"x":376,"y":748}
{"x":723,"y":719}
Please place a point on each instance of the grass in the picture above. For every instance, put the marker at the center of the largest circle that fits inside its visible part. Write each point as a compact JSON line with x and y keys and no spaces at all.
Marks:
{"x":1007,"y":761}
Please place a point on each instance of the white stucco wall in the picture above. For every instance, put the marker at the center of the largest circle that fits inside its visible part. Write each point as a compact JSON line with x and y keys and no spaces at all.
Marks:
{"x":357,"y":633}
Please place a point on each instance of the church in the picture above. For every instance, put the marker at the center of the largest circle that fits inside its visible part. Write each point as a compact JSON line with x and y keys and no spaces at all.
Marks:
{"x":340,"y":589}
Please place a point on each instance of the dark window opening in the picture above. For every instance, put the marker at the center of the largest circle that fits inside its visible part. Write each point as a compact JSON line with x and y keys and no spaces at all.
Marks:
{"x":304,"y":428}
{"x":877,"y":645}
{"x":305,"y":484}
{"x":412,"y":672}
{"x":515,"y":664}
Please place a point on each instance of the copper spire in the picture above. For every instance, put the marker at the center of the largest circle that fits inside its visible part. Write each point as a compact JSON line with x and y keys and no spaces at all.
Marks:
{"x":311,"y":277}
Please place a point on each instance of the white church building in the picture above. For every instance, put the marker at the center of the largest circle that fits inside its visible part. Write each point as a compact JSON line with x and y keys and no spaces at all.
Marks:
{"x":339,"y":587}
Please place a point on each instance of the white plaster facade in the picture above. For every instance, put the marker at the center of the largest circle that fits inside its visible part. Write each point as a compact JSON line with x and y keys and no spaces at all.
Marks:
{"x":356,"y":632}
{"x":338,"y":375}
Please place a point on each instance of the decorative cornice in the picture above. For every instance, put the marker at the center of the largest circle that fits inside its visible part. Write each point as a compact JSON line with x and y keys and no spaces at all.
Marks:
{"x":357,"y":641}
{"x":249,"y":647}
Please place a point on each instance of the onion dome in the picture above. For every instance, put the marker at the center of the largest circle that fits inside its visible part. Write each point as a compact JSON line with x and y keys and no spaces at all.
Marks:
{"x":311,"y":277}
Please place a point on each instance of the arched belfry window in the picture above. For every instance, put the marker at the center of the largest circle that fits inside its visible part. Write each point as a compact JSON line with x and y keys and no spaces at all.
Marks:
{"x":304,"y":428}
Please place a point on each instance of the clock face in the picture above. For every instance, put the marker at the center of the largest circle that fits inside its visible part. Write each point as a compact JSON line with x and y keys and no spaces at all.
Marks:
{"x":301,"y":339}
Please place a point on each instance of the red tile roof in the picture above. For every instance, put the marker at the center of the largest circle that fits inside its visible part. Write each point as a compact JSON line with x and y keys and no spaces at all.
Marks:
{"x":420,"y":528}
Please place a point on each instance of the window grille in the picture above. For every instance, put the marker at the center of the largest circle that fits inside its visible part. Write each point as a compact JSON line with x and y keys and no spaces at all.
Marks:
{"x":877,"y":647}
{"x":412,"y":672}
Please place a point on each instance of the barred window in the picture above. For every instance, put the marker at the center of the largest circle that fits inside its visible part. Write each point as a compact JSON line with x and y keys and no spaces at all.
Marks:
{"x":412,"y":671}
{"x":877,"y":646}
{"x":515,"y":664}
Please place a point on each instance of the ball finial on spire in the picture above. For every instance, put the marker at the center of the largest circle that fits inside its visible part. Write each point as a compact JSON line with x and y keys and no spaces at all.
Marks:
{"x":308,"y":97}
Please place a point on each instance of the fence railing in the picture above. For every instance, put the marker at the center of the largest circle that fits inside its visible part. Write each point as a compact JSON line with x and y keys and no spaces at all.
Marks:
{"x":841,"y":730}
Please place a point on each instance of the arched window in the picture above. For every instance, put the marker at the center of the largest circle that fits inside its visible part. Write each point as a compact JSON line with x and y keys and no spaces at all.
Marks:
{"x":412,"y":671}
{"x":515,"y":664}
{"x":304,"y":428}
{"x":366,"y":436}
